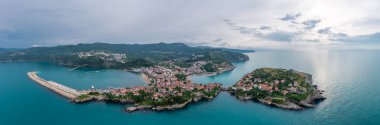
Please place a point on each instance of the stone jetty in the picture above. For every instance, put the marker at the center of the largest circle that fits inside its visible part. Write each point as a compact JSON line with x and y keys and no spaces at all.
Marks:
{"x":56,"y":87}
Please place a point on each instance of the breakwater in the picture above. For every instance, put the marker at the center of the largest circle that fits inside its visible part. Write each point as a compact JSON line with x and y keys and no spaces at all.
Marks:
{"x":56,"y":87}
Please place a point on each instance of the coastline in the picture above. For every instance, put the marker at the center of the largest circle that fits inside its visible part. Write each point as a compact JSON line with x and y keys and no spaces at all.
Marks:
{"x":311,"y":102}
{"x":114,"y":96}
{"x":208,"y":74}
{"x":145,"y":78}
{"x":171,"y":107}
{"x":86,"y":96}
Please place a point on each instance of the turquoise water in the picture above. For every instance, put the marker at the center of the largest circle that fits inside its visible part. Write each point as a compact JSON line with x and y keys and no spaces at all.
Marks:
{"x":351,"y":81}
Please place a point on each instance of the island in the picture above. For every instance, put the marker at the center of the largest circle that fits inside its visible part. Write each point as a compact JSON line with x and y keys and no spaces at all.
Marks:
{"x":287,"y":89}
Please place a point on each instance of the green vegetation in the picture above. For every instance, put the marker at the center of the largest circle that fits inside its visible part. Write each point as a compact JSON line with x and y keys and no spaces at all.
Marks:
{"x":254,"y":92}
{"x":169,"y":100}
{"x":2,"y":50}
{"x":181,"y":77}
{"x":137,"y":55}
{"x":278,"y":100}
{"x":209,"y":67}
{"x":94,"y":93}
{"x":212,"y":92}
{"x":84,"y":96}
{"x":110,"y":96}
{"x":145,"y":98}
{"x":268,"y":76}
{"x":298,"y":97}
{"x":258,"y":93}
{"x":271,"y":74}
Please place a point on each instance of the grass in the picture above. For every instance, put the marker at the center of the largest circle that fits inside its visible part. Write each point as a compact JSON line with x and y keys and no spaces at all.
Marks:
{"x":298,"y":97}
{"x":84,"y":96}
{"x":278,"y":100}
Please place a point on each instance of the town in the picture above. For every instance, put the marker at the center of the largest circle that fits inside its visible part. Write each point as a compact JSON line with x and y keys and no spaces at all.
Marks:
{"x":103,"y":55}
{"x":287,"y":89}
{"x":167,"y":89}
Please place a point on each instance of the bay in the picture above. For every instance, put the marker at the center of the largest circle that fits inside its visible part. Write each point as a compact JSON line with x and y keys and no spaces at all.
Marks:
{"x":350,"y":79}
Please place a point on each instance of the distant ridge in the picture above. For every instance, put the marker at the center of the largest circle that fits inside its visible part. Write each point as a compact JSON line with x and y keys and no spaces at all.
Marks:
{"x":9,"y":49}
{"x":126,"y":56}
{"x":230,"y":49}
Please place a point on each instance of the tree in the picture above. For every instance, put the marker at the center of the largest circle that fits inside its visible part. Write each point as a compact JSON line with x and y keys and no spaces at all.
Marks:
{"x":181,"y":77}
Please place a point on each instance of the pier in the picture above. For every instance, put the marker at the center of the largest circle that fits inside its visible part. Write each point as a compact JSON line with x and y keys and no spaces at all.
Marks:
{"x":56,"y":87}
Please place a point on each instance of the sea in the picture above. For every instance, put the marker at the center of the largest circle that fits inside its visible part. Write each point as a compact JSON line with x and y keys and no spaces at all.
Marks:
{"x":350,"y":79}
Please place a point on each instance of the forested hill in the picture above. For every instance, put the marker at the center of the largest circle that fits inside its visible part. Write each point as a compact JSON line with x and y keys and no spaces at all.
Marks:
{"x":104,"y":54}
{"x":2,"y":50}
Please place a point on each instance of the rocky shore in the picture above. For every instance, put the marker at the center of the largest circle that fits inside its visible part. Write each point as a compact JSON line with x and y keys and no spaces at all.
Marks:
{"x":137,"y":107}
{"x":310,"y":102}
{"x":156,"y":108}
{"x":90,"y":99}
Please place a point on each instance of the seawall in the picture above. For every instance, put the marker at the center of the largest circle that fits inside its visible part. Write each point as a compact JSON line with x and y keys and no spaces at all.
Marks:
{"x":56,"y":87}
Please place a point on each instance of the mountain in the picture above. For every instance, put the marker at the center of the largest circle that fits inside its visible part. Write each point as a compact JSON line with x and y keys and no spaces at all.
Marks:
{"x":230,"y":49}
{"x":9,"y":49}
{"x":124,"y":55}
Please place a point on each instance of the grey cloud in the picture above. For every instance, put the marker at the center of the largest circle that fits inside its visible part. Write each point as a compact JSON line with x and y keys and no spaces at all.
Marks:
{"x":223,"y":44}
{"x":340,"y":35}
{"x":310,"y":24}
{"x":280,"y":36}
{"x":291,"y":17}
{"x":24,"y":23}
{"x":247,"y":30}
{"x":326,"y":30}
{"x":229,"y":22}
{"x":218,"y":40}
{"x":311,"y":40}
{"x":46,"y":22}
{"x":273,"y":35}
{"x":371,"y":38}
{"x":329,"y":32}
{"x":265,"y":28}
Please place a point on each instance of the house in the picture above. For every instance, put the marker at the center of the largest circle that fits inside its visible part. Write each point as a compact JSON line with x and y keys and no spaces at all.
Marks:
{"x":292,"y":89}
{"x":284,"y":92}
{"x":295,"y":83}
{"x":255,"y":85}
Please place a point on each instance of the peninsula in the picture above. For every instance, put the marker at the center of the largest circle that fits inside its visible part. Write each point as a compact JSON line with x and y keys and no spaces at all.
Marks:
{"x":167,"y":89}
{"x":288,"y":89}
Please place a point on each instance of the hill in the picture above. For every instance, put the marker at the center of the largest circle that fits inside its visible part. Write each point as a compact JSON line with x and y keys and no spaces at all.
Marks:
{"x":232,"y":50}
{"x":288,"y":89}
{"x":2,"y":50}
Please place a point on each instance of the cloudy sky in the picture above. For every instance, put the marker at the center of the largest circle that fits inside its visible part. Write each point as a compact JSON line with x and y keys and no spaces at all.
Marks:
{"x":258,"y":24}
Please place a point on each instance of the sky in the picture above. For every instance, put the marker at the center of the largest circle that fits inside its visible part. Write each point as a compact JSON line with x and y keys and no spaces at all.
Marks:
{"x":245,"y":24}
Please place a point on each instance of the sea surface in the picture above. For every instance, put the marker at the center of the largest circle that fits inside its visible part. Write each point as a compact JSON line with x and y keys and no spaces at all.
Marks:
{"x":351,"y":80}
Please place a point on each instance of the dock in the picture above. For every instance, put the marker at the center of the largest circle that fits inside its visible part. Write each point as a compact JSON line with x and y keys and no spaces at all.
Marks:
{"x":56,"y":87}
